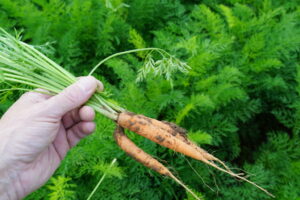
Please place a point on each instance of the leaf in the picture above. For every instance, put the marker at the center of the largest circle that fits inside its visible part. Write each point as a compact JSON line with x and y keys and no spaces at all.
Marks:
{"x":166,"y":67}
{"x":208,"y":20}
{"x":136,"y":39}
{"x":61,"y":189}
{"x":191,"y":197}
{"x":197,"y":101}
{"x":230,"y":18}
{"x":200,"y":137}
{"x":111,"y":171}
{"x":190,"y":45}
{"x":115,"y":5}
{"x":2,"y":76}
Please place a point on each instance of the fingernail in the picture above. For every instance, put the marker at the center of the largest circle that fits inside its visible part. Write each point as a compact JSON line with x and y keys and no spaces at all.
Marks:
{"x":87,"y":84}
{"x":90,"y":127}
{"x":100,"y":86}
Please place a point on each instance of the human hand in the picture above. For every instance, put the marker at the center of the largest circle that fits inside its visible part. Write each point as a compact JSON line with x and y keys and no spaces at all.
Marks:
{"x":37,"y":132}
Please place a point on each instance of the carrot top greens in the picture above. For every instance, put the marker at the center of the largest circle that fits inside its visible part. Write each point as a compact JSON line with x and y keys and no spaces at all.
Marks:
{"x":23,"y":67}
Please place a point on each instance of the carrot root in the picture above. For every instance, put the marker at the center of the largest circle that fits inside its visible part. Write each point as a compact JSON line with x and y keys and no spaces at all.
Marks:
{"x":239,"y":177}
{"x":171,"y":128}
{"x":147,"y":160}
{"x":173,"y":137}
{"x":166,"y":134}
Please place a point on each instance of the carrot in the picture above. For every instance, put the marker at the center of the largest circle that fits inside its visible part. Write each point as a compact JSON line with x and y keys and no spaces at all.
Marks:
{"x":147,"y":160}
{"x":172,"y":138}
{"x":164,"y":135}
{"x":146,"y":128}
{"x":181,"y":134}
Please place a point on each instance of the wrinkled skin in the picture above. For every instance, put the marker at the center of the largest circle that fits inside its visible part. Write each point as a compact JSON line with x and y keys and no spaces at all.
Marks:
{"x":37,"y":132}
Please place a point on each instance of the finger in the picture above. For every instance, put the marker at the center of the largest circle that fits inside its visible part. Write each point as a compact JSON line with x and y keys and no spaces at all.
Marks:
{"x":61,"y":143}
{"x":71,"y":118}
{"x":100,"y":86}
{"x":87,"y":113}
{"x":79,"y":131}
{"x":72,"y":97}
{"x":34,"y":96}
{"x":28,"y":99}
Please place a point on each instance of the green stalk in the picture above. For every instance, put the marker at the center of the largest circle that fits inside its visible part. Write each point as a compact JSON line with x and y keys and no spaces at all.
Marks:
{"x":23,"y":64}
{"x":33,"y":81}
{"x":101,"y":180}
{"x":119,"y":54}
{"x":51,"y":64}
{"x":64,"y":76}
{"x":34,"y":76}
{"x":32,"y":85}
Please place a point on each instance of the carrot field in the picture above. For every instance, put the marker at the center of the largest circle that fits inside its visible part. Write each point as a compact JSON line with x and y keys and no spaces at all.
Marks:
{"x":201,"y":99}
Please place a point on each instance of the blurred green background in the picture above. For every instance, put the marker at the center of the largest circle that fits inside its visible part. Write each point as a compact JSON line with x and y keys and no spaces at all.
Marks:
{"x":240,"y":101}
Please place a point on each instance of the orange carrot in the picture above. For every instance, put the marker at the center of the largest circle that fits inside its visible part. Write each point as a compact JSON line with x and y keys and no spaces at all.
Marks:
{"x":147,"y":160}
{"x":181,"y":134}
{"x":162,"y":134}
{"x":146,"y":128}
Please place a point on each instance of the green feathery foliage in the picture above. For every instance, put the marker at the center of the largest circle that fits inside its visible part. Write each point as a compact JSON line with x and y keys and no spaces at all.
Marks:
{"x":240,"y":99}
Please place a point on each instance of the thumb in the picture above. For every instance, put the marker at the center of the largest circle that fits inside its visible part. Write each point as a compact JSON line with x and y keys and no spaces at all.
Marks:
{"x":73,"y":96}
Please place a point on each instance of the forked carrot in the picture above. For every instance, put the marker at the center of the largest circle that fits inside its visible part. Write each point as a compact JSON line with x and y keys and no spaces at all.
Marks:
{"x":167,"y":136}
{"x":147,"y":160}
{"x":164,"y":135}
